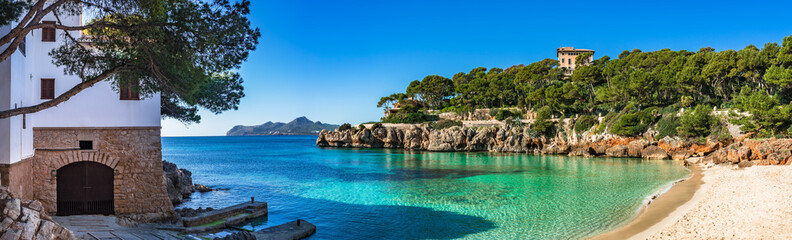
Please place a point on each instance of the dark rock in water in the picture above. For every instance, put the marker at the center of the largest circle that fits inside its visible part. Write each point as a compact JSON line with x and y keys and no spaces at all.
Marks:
{"x":178,"y":182}
{"x":190,"y":212}
{"x":202,"y":188}
{"x":238,"y":236}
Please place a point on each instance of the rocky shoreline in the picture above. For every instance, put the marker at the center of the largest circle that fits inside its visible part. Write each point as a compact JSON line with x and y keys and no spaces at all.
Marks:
{"x":744,"y":152}
{"x":179,"y":184}
{"x":26,"y":219}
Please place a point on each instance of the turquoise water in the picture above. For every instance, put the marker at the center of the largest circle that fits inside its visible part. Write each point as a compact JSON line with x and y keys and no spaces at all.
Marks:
{"x":394,"y":194}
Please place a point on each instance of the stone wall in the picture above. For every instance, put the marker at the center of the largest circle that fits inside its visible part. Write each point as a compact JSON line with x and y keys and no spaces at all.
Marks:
{"x":134,"y":153}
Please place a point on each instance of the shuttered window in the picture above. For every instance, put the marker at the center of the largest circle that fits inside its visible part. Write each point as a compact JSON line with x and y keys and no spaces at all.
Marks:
{"x":47,"y":88}
{"x":129,"y":90}
{"x":48,"y":33}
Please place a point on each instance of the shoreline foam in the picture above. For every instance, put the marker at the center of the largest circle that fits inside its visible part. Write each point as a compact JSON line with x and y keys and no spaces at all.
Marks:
{"x":666,"y":202}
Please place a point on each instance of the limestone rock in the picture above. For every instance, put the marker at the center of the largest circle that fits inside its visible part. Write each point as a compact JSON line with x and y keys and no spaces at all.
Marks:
{"x":634,"y":148}
{"x":583,"y":151}
{"x":654,"y":152}
{"x":24,"y":220}
{"x":619,"y":150}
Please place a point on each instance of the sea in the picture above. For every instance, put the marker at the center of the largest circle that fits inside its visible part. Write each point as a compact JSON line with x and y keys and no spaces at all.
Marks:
{"x":398,"y":194}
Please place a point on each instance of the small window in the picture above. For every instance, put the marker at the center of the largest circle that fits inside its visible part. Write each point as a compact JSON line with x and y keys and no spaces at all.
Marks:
{"x":48,"y":33}
{"x":22,"y":48}
{"x":129,"y":90}
{"x":47,"y":88}
{"x":86,"y":145}
{"x":562,"y":60}
{"x":24,"y":121}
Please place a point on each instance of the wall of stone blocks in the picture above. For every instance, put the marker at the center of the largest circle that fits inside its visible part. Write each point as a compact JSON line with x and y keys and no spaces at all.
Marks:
{"x":134,"y":153}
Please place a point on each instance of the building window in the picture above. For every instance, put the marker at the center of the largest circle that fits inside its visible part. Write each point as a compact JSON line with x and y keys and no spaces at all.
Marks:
{"x":562,"y":60}
{"x":47,"y":88}
{"x":86,"y":145}
{"x":48,"y":33}
{"x":22,"y":48}
{"x":24,"y":121}
{"x":129,"y":90}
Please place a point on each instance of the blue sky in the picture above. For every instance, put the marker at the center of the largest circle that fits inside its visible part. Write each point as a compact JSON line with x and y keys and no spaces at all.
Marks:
{"x":332,"y":60}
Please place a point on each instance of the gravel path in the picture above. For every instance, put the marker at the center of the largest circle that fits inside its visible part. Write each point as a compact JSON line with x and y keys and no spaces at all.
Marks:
{"x":751,"y":203}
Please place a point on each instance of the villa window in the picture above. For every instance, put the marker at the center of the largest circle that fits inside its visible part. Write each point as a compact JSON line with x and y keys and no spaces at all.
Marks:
{"x":129,"y":90}
{"x":86,"y":145}
{"x":562,"y":60}
{"x":22,"y":47}
{"x":48,"y":33}
{"x":47,"y":88}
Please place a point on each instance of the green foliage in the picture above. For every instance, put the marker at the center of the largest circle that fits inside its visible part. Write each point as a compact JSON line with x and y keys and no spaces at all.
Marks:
{"x":632,"y":122}
{"x":187,"y":52}
{"x":344,"y":127}
{"x":505,"y":113}
{"x":542,"y":123}
{"x":11,"y":10}
{"x":442,"y":124}
{"x":585,"y":122}
{"x":662,"y":81}
{"x":767,"y":116}
{"x":696,"y":123}
{"x":667,"y":125}
{"x":456,"y":109}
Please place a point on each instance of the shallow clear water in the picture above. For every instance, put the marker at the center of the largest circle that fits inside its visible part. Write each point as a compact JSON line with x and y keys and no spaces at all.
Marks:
{"x":393,"y":194}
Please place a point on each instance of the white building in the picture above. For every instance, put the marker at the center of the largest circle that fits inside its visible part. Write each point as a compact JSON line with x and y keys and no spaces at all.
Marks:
{"x":98,"y":139}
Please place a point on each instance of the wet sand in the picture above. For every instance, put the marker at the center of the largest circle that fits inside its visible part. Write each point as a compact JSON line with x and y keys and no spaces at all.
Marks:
{"x":671,"y":203}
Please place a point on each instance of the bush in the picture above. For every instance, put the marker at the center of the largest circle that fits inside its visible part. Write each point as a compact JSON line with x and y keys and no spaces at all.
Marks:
{"x":667,"y":126}
{"x":413,"y":117}
{"x":696,"y":123}
{"x":585,"y":122}
{"x":630,"y":124}
{"x":633,"y":122}
{"x":344,"y":127}
{"x":442,"y":124}
{"x":504,"y":114}
{"x":542,"y":124}
{"x":456,"y":109}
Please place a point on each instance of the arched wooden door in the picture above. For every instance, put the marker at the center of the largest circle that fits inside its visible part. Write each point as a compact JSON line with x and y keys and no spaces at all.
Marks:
{"x":85,"y":188}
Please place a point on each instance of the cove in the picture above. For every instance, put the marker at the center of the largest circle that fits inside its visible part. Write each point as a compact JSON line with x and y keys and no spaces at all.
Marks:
{"x":395,"y":194}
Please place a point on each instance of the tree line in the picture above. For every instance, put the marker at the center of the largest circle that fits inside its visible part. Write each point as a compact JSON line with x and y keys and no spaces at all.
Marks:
{"x":754,"y":80}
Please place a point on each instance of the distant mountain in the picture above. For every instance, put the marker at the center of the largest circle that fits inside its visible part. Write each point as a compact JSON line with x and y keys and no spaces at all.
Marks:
{"x":298,"y":126}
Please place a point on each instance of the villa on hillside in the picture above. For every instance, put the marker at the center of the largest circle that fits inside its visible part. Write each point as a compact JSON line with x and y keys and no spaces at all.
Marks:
{"x":97,"y":153}
{"x":567,"y":55}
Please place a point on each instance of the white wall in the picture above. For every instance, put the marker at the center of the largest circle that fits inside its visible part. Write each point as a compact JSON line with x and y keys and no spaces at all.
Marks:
{"x":98,"y":106}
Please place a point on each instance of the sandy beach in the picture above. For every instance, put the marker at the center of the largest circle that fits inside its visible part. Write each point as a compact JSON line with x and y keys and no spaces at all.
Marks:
{"x":730,"y":203}
{"x":750,"y":203}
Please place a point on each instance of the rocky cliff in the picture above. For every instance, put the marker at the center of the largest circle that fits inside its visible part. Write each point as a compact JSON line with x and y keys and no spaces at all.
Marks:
{"x":178,"y":182}
{"x":566,"y":142}
{"x":24,"y":219}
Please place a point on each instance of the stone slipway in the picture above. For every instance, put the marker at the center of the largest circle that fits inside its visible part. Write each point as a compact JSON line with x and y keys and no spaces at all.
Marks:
{"x":292,"y":230}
